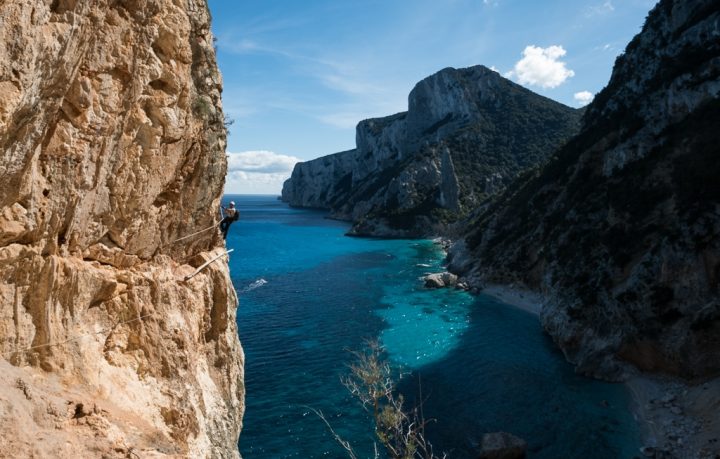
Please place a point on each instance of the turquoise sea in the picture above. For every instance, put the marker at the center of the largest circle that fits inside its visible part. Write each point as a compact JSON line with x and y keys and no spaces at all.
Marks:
{"x":308,"y":294}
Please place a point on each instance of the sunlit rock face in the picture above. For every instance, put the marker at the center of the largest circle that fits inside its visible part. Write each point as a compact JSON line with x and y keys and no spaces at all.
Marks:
{"x":467,"y":134}
{"x":621,"y":230}
{"x":112,"y":147}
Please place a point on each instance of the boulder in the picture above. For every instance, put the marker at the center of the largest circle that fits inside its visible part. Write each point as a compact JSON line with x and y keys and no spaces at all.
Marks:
{"x":502,"y":445}
{"x":440,"y":280}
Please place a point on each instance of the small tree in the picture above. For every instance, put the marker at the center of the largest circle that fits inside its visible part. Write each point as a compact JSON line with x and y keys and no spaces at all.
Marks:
{"x":374,"y":383}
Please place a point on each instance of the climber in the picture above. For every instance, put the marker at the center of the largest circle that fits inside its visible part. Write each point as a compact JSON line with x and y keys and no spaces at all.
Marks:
{"x":231,"y":215}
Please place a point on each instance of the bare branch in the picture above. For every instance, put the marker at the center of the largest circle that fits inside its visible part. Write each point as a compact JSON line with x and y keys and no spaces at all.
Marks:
{"x":373,"y":382}
{"x":344,"y":443}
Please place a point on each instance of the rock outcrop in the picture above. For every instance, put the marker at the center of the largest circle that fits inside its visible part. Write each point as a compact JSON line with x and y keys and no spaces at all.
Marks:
{"x":502,"y":445}
{"x":466,"y":135}
{"x":440,"y":280}
{"x":112,"y":148}
{"x":621,"y":232}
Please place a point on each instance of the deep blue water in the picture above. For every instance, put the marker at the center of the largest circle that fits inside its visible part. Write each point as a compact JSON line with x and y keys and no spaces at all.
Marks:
{"x":308,"y":294}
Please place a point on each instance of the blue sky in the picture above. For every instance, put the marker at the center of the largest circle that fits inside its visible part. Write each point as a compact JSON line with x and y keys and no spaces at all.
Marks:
{"x":299,"y":75}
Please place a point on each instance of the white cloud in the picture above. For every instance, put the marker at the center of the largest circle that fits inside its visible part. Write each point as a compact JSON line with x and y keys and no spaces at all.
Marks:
{"x":583,"y":97}
{"x":349,"y":85}
{"x":606,"y":47}
{"x":242,"y":46}
{"x":261,"y":161}
{"x":239,"y":110}
{"x":343,"y":120}
{"x":258,"y":172}
{"x":602,"y":8}
{"x":541,"y":67}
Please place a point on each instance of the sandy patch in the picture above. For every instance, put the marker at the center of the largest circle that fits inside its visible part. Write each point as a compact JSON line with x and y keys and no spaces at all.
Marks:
{"x":523,"y":299}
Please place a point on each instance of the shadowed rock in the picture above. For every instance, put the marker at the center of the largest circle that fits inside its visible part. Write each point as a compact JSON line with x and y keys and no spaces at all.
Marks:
{"x":621,"y":231}
{"x":502,"y":445}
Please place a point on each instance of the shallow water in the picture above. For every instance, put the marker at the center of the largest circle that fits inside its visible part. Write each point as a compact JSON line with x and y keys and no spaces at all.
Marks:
{"x":308,"y":294}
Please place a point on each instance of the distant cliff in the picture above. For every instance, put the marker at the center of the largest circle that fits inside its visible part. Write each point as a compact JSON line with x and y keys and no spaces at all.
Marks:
{"x":621,"y":230}
{"x":112,"y":153}
{"x":467,"y":134}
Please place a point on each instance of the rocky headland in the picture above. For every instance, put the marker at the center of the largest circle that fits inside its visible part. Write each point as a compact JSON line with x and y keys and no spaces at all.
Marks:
{"x":467,"y":134}
{"x":620,"y":230}
{"x":113,"y":150}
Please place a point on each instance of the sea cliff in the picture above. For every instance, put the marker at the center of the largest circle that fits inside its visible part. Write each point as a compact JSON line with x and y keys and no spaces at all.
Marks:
{"x":620,"y":230}
{"x":112,"y":142}
{"x":467,"y":134}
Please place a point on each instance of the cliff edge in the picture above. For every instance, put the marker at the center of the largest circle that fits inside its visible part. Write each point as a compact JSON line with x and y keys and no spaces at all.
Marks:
{"x":112,"y":142}
{"x":467,"y":134}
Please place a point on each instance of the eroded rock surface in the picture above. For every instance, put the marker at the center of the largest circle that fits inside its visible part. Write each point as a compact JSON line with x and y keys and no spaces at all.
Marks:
{"x":112,"y":147}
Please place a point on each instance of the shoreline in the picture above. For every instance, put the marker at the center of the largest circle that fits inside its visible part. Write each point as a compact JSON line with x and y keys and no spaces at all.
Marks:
{"x":676,"y":419}
{"x":520,"y":298}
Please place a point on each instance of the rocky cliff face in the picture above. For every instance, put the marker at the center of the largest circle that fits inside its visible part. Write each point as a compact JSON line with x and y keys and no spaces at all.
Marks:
{"x":466,"y":135}
{"x":621,"y":230}
{"x":112,"y":148}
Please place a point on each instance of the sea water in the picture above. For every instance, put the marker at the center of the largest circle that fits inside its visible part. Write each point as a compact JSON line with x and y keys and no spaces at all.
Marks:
{"x":309,"y":295}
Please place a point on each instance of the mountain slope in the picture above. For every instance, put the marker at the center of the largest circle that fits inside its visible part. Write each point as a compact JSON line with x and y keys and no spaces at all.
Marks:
{"x":466,"y":135}
{"x":620,"y":230}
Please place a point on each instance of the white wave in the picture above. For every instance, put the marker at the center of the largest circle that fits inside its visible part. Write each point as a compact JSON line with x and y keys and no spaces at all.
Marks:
{"x":257,"y":284}
{"x":423,"y":265}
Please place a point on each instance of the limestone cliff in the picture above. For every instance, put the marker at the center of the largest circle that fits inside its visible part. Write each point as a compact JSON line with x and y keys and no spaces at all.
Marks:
{"x":467,"y":134}
{"x":621,"y":230}
{"x":112,"y":147}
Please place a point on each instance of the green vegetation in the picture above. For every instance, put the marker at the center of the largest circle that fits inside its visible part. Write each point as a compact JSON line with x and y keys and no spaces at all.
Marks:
{"x":202,"y":107}
{"x":630,"y":253}
{"x":399,"y":430}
